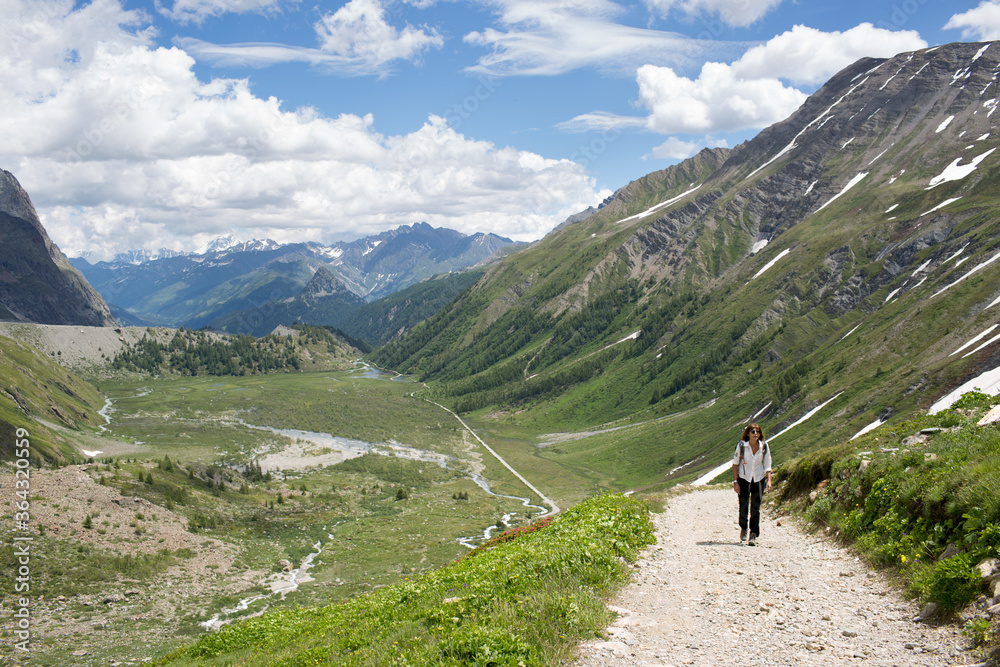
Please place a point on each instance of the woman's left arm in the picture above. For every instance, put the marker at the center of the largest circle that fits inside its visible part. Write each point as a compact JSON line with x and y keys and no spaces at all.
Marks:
{"x":767,"y":466}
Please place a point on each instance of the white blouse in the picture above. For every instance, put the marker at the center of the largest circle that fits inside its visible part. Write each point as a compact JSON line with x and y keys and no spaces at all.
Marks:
{"x":754,"y":466}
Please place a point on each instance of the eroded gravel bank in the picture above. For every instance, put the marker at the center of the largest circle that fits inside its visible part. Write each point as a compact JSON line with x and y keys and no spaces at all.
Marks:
{"x":700,"y":598}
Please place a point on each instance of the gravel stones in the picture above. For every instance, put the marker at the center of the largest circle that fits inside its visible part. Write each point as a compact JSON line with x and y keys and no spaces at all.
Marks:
{"x":698,"y":597}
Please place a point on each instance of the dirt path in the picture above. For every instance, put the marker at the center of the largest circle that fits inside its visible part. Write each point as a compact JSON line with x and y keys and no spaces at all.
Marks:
{"x":700,"y":598}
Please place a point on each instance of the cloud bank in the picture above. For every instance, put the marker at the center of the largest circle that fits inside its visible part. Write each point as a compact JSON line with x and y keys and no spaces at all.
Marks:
{"x":120,"y":144}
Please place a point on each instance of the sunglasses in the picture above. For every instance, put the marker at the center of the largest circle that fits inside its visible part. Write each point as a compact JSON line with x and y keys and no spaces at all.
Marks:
{"x":755,"y":430}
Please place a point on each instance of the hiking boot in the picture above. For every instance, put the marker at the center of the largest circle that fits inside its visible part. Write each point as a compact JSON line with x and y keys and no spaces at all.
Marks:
{"x":743,"y":535}
{"x":753,"y":540}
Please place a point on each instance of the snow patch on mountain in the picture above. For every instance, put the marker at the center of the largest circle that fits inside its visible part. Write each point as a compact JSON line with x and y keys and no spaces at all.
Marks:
{"x":941,"y":205}
{"x":871,"y":427}
{"x":970,"y":273}
{"x":988,"y":383}
{"x":771,"y":263}
{"x":956,"y":171}
{"x":982,"y":347}
{"x":854,"y":181}
{"x":658,"y":206}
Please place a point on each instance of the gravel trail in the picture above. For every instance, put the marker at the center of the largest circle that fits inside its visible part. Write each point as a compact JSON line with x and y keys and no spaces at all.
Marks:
{"x":699,"y":597}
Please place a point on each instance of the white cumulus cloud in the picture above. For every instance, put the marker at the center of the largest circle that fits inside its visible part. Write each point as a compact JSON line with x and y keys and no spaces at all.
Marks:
{"x":354,"y":40}
{"x":123,"y":146}
{"x":982,"y":23}
{"x":359,"y":30}
{"x":805,"y":55}
{"x":675,"y":148}
{"x":756,"y":90}
{"x":717,"y":101}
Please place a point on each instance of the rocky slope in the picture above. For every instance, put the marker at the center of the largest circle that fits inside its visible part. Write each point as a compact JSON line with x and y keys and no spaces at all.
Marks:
{"x":37,"y":282}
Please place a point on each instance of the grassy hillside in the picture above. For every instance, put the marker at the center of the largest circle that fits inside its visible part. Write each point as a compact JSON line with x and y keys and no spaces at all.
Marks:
{"x":381,"y":320}
{"x":48,"y":401}
{"x":833,"y":262}
{"x":527,"y":601}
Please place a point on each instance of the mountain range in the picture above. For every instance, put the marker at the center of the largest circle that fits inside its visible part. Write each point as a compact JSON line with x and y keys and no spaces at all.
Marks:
{"x":196,"y":289}
{"x":836,"y":271}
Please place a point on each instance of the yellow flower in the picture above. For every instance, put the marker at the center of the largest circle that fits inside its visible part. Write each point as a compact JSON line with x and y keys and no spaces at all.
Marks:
{"x":903,"y":558}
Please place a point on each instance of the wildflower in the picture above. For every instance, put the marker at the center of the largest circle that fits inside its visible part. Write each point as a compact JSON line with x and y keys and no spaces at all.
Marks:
{"x":903,"y":558}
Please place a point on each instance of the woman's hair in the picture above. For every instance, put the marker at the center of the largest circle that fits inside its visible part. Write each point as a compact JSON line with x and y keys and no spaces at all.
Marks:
{"x":746,"y":432}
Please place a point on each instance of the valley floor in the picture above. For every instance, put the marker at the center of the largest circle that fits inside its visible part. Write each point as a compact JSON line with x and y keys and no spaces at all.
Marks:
{"x":699,"y":597}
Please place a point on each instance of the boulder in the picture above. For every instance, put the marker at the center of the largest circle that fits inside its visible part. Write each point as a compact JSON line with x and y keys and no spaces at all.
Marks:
{"x":927,"y":613}
{"x":949,"y":551}
{"x":991,"y":417}
{"x":989,"y":568}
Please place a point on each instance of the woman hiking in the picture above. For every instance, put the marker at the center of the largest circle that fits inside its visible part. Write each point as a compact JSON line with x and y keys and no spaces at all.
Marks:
{"x":751,"y":471}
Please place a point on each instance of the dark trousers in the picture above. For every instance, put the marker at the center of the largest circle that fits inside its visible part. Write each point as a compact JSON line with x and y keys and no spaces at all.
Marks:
{"x":750,"y":493}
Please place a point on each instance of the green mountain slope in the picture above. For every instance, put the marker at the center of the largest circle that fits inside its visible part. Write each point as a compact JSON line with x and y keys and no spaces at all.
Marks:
{"x":46,"y":400}
{"x":839,"y":259}
{"x":388,"y":317}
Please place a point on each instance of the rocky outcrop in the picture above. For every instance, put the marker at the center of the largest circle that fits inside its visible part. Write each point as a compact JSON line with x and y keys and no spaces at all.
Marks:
{"x":37,"y":282}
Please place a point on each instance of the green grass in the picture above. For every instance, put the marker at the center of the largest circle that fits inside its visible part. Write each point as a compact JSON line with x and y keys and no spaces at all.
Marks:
{"x":528,"y":601}
{"x":46,"y":400}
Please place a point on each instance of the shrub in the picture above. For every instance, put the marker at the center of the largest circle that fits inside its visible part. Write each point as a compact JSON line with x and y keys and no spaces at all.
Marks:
{"x":972,"y":400}
{"x":954,"y":582}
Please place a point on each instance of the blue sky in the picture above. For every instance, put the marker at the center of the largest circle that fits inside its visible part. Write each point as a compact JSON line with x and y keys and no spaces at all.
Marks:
{"x":165,"y":123}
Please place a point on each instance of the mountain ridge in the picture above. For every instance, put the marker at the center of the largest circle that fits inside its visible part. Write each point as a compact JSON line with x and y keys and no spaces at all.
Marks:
{"x":728,"y":281}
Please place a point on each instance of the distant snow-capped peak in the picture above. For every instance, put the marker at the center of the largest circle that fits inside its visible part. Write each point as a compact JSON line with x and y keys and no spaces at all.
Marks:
{"x":231,"y":243}
{"x":136,"y":257}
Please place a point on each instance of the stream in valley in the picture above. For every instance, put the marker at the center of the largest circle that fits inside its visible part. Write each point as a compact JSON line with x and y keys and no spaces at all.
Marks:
{"x":296,"y":457}
{"x":309,"y":450}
